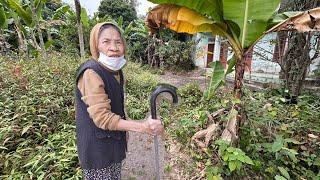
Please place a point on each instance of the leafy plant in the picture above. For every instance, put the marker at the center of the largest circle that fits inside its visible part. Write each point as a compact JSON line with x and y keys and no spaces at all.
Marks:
{"x":233,"y":157}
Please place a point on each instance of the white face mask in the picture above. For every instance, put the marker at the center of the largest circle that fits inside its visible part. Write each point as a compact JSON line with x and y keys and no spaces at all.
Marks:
{"x":113,"y":63}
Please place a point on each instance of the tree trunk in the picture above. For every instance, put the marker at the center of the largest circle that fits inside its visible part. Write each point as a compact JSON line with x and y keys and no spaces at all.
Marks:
{"x":36,"y":19}
{"x":49,"y":34}
{"x":80,"y":30}
{"x":237,"y":113}
{"x":239,"y":73}
{"x":49,"y":37}
{"x":294,"y":49}
{"x":22,"y":45}
{"x":34,"y":41}
{"x":295,"y":60}
{"x":43,"y":49}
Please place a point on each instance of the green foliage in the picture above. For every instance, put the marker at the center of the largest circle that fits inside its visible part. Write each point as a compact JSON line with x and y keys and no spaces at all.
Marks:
{"x":233,"y":157}
{"x":278,"y":135}
{"x":84,"y":17}
{"x":37,"y":131}
{"x":138,"y":86}
{"x":60,"y":12}
{"x":188,"y":120}
{"x":166,"y":49}
{"x":136,"y":34}
{"x":117,"y":8}
{"x":23,"y":14}
{"x":190,"y":94}
{"x":279,"y":140}
{"x":3,"y":17}
{"x":217,"y":78}
{"x":175,"y":55}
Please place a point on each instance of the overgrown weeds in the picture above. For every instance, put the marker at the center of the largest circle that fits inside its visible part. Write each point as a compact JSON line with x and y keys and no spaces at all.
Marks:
{"x":37,"y":116}
{"x":278,"y":140}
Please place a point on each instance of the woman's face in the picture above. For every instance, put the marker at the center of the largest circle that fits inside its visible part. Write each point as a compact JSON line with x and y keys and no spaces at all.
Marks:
{"x":110,"y":43}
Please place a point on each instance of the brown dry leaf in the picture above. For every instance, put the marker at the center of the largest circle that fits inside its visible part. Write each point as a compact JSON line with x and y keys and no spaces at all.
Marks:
{"x":230,"y":133}
{"x":208,"y":134}
{"x":50,"y":23}
{"x":304,"y":148}
{"x":302,"y":22}
{"x":212,"y":129}
{"x":217,"y":113}
{"x":312,"y":136}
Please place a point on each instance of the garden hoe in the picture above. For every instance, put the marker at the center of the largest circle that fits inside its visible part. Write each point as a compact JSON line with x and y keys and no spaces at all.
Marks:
{"x":160,"y":89}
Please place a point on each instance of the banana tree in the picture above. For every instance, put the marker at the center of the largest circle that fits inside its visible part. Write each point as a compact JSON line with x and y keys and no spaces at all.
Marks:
{"x":36,"y":9}
{"x":56,"y":19}
{"x":241,"y":22}
{"x":8,"y":13}
{"x":30,"y":14}
{"x":27,"y":18}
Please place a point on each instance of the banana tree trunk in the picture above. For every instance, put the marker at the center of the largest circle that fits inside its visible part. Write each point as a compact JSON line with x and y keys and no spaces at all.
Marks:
{"x":34,"y":41}
{"x":22,"y":45}
{"x":36,"y":19}
{"x":237,"y":114}
{"x":239,"y":73}
{"x":43,"y":50}
{"x":49,"y":37}
{"x":49,"y":34}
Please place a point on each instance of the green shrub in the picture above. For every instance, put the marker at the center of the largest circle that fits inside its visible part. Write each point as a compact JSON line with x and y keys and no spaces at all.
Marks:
{"x":278,"y":140}
{"x":37,"y":131}
{"x":139,"y":85}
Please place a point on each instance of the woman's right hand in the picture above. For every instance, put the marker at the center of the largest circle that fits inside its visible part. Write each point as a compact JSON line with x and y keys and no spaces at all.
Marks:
{"x":153,"y":126}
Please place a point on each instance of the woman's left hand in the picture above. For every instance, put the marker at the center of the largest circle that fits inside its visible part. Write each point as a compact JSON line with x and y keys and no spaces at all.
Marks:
{"x":153,"y":126}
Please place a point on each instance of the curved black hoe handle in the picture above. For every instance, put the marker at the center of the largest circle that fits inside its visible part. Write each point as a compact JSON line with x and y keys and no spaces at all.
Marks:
{"x":160,"y":89}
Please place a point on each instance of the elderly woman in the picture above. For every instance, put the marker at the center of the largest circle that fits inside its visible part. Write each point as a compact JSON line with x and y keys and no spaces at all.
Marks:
{"x":101,"y":124}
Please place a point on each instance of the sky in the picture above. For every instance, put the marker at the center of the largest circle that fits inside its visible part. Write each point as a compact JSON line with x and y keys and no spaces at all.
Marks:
{"x":92,"y":5}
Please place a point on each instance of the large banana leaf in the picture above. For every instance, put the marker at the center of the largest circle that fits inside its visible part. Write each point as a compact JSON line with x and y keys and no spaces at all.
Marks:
{"x":211,"y":8}
{"x":302,"y":22}
{"x":61,"y":11}
{"x":251,"y":16}
{"x":246,"y":19}
{"x":26,"y":17}
{"x":84,"y":17}
{"x":181,"y":19}
{"x":3,"y":17}
{"x":217,"y":78}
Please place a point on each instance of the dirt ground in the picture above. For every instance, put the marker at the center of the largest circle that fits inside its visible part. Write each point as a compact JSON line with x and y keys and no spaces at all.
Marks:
{"x":139,"y":164}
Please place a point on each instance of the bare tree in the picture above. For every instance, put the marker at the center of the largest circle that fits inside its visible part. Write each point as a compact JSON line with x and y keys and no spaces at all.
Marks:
{"x":80,"y":30}
{"x":292,"y":51}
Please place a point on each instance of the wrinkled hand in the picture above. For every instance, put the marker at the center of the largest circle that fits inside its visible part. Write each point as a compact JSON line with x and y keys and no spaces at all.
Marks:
{"x":153,"y":126}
